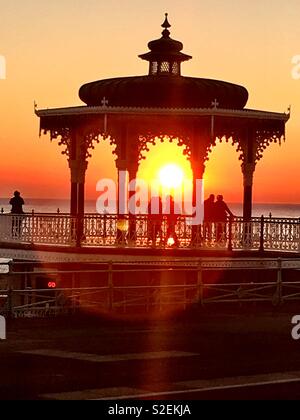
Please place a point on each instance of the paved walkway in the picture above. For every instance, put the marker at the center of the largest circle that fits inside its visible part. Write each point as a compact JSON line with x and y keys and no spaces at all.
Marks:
{"x":213,"y":356}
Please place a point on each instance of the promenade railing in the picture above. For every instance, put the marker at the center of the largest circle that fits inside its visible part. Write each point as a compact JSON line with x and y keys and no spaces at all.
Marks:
{"x":155,"y":285}
{"x":94,"y":230}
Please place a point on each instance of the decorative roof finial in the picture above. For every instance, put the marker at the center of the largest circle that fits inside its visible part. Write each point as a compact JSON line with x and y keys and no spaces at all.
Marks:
{"x":166,"y":33}
{"x":166,"y":23}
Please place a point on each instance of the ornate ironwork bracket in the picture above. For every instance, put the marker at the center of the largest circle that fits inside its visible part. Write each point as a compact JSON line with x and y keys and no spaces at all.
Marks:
{"x":153,"y":139}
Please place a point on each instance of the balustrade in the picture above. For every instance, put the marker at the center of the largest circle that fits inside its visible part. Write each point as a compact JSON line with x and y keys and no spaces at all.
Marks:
{"x":270,"y":234}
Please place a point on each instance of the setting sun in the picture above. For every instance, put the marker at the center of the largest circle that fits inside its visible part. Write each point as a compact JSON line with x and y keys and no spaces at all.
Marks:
{"x":166,"y":165}
{"x":171,"y":176}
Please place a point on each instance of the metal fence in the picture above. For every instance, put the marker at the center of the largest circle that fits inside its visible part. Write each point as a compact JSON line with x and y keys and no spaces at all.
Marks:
{"x":148,"y":286}
{"x":274,"y":234}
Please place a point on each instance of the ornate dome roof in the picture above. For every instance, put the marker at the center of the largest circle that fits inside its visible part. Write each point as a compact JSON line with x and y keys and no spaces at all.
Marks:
{"x":164,"y":87}
{"x":162,"y":92}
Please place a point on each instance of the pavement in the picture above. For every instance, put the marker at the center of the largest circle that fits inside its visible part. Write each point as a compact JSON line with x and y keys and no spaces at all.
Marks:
{"x":235,"y":355}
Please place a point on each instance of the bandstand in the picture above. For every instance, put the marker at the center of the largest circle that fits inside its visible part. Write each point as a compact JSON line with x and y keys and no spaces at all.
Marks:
{"x":81,"y":253}
{"x":133,"y":112}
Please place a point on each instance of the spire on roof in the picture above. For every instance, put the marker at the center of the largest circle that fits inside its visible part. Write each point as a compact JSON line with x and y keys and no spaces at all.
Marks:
{"x":165,"y":56}
{"x":166,"y":25}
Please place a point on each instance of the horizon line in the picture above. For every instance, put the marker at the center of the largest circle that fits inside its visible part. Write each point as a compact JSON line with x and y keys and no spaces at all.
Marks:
{"x":92,"y":199}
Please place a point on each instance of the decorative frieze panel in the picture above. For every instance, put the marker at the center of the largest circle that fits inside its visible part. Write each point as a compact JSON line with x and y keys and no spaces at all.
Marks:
{"x":264,"y":138}
{"x":234,"y":141}
{"x":63,"y":135}
{"x":150,"y":138}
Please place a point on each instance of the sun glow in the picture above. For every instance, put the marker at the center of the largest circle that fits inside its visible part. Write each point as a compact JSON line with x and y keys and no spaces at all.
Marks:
{"x":171,"y":176}
{"x":166,"y":167}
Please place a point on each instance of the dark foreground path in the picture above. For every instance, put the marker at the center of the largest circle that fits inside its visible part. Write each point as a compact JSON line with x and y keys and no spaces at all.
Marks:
{"x":204,"y":357}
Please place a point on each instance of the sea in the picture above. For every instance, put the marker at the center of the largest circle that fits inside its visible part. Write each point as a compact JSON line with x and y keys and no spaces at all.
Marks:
{"x":63,"y":206}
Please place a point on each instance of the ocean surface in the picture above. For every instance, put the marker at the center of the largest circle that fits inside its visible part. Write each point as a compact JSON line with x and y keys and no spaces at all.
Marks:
{"x":52,"y":206}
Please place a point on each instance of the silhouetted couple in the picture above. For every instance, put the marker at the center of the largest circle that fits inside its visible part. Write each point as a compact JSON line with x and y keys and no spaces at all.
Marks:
{"x":216,"y":212}
{"x":156,"y":217}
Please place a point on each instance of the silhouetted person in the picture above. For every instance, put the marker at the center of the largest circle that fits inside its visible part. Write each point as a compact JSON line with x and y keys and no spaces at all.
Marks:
{"x":221,"y":214}
{"x":209,"y":209}
{"x":172,"y":218}
{"x":209,"y":216}
{"x":155,"y":220}
{"x":17,"y":204}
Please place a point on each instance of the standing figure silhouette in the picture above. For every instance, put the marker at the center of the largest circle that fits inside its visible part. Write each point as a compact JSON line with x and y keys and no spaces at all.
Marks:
{"x":221,"y":213}
{"x":17,"y":204}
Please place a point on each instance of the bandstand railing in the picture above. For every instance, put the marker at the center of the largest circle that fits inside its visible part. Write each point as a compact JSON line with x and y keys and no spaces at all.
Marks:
{"x":258,"y":234}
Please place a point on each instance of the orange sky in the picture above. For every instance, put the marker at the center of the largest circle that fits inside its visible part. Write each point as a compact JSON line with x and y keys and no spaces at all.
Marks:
{"x":52,"y":48}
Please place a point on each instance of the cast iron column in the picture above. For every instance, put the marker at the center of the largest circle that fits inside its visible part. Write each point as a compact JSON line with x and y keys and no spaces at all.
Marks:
{"x":73,"y":172}
{"x":248,"y":169}
{"x":132,"y":175}
{"x":78,"y":166}
{"x":248,"y":173}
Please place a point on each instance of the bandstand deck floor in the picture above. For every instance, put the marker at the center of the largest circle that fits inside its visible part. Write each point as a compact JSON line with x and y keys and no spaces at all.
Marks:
{"x":27,"y":252}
